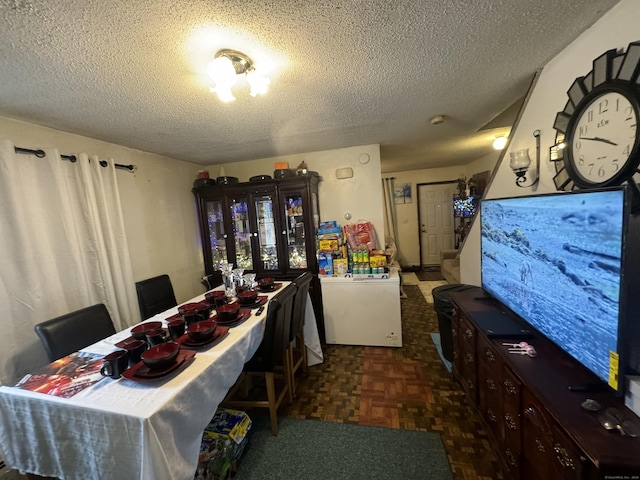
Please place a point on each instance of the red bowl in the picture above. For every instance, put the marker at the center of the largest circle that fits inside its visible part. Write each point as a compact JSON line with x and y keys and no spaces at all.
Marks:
{"x":161,"y":356}
{"x":188,"y":306}
{"x":201,"y":331}
{"x":229,"y":311}
{"x":215,"y":296}
{"x":247,"y":297}
{"x":265,"y":282}
{"x":139,"y":332}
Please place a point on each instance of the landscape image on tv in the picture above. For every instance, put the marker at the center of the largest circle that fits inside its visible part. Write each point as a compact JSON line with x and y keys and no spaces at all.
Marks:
{"x":555,"y":260}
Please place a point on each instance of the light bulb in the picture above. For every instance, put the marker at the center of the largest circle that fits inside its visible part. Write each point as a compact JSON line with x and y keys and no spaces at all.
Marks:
{"x":499,"y":143}
{"x":259,"y":84}
{"x":223,"y":74}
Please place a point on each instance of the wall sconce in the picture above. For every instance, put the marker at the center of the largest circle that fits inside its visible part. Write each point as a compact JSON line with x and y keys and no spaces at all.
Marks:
{"x":225,"y":68}
{"x":499,"y":142}
{"x":520,"y":162}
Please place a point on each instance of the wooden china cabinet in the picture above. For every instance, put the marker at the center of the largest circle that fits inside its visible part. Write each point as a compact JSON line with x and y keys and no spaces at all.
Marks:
{"x":536,"y":425}
{"x":267,"y":227}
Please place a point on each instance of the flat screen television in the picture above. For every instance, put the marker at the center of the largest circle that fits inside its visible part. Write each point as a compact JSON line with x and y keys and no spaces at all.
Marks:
{"x":464,"y":207}
{"x":556,"y":260}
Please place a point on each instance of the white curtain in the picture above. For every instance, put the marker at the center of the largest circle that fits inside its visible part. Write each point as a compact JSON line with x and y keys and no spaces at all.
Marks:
{"x":390,"y":220}
{"x":63,"y":248}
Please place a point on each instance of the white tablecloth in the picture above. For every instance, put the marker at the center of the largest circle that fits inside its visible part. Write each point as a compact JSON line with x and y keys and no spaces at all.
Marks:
{"x":122,"y":429}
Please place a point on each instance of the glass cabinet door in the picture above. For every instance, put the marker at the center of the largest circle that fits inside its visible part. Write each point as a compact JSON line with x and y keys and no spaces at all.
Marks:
{"x":217,"y":235}
{"x":266,"y":232}
{"x":295,"y":234}
{"x":242,"y":233}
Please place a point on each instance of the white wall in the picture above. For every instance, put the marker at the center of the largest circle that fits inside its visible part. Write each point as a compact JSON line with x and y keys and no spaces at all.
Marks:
{"x":361,"y":196}
{"x":159,"y":208}
{"x":407,"y":213}
{"x":616,"y":29}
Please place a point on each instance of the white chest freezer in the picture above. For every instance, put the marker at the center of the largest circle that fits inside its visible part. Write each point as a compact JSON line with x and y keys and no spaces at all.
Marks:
{"x":362,"y":312}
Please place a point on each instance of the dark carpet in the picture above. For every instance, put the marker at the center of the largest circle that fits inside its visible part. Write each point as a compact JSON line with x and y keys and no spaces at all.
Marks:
{"x":429,"y":274}
{"x":314,"y":449}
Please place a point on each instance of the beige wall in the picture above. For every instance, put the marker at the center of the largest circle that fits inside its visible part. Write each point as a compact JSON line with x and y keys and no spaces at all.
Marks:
{"x":159,"y":209}
{"x":615,"y":30}
{"x":408,"y":222}
{"x":361,"y":196}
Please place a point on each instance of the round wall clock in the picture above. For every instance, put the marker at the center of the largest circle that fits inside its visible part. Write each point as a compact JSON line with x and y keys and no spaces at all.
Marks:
{"x":597,"y":132}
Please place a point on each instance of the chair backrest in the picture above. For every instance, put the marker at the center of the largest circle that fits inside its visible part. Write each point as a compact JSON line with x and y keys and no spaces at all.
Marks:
{"x":276,"y":331}
{"x":155,"y":295}
{"x":302,"y":284}
{"x":71,"y":332}
{"x":212,"y":281}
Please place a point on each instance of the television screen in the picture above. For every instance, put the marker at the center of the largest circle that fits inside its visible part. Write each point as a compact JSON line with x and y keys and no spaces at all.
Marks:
{"x":464,"y":207}
{"x":556,"y":261}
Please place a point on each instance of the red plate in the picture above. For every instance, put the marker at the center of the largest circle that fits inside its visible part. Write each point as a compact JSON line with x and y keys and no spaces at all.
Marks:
{"x":242,"y":316}
{"x":186,"y":341}
{"x":140,"y":372}
{"x":275,"y":287}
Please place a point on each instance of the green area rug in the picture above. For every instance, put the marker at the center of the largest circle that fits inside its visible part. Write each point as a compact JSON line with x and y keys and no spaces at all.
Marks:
{"x":313,"y":450}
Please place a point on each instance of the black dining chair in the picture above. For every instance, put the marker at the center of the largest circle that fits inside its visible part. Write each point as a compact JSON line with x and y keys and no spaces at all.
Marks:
{"x":69,"y":333}
{"x":155,"y":295}
{"x":213,"y":280}
{"x":264,"y":363}
{"x":296,"y":350}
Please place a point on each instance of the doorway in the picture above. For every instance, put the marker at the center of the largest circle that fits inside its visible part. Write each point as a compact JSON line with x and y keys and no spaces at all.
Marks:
{"x":435,"y":217}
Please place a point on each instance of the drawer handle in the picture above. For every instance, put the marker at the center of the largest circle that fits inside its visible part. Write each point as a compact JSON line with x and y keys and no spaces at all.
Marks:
{"x":540,"y":445}
{"x":511,"y":388}
{"x":511,"y":423}
{"x":563,"y":457}
{"x":510,"y":458}
{"x":469,"y":333}
{"x":489,"y":354}
{"x":491,"y":384}
{"x":468,"y":358}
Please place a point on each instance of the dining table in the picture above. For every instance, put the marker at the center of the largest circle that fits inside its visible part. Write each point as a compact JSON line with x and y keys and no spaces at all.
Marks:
{"x":129,"y":429}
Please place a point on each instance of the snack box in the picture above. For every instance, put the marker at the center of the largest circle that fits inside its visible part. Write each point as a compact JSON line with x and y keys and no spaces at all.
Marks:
{"x":325,"y":263}
{"x":340,"y":266}
{"x":378,"y":261}
{"x":329,"y":245}
{"x":223,"y":443}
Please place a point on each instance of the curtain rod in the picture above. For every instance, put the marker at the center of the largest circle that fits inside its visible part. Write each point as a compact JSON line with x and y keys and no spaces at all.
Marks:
{"x":72,"y":158}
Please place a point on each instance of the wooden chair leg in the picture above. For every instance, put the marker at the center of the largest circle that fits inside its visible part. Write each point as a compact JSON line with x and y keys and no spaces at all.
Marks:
{"x":273,"y":405}
{"x":303,"y":350}
{"x":288,"y":373}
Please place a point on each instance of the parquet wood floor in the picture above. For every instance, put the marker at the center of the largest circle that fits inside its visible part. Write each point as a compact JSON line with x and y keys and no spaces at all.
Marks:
{"x":407,"y":387}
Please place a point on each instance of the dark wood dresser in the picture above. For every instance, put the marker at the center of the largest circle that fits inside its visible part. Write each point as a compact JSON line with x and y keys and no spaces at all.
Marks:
{"x":535,"y":423}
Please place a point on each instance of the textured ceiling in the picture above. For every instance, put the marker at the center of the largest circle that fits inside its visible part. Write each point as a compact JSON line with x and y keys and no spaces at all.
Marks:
{"x":344,"y":73}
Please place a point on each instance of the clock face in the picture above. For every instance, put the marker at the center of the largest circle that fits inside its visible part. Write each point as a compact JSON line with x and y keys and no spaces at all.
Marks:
{"x":602,"y":138}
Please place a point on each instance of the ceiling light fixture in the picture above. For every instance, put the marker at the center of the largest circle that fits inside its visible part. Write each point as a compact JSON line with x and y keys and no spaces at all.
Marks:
{"x":225,"y":68}
{"x":499,"y":142}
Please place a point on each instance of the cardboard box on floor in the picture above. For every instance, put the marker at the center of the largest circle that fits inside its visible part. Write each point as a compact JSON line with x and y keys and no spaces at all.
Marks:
{"x":223,"y":442}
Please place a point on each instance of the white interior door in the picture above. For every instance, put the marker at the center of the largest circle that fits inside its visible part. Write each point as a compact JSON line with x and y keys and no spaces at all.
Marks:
{"x":436,"y":220}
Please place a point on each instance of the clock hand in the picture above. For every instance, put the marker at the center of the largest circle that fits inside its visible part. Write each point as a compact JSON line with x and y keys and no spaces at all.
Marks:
{"x":598,"y":139}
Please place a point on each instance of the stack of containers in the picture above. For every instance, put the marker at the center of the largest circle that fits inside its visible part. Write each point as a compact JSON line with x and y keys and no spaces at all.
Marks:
{"x":351,"y":250}
{"x":330,"y":248}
